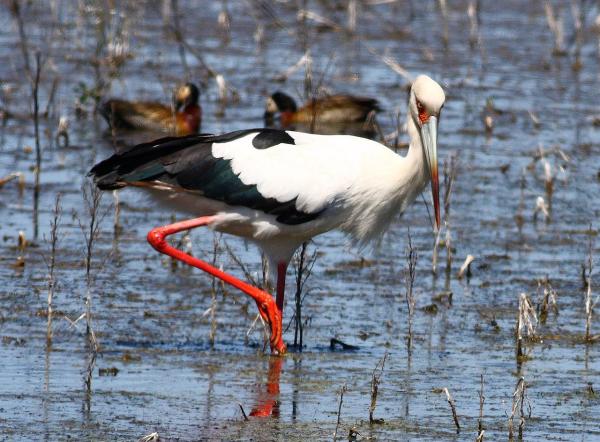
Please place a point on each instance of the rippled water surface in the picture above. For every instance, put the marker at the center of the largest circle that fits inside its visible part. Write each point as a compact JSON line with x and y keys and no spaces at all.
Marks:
{"x":150,"y":318}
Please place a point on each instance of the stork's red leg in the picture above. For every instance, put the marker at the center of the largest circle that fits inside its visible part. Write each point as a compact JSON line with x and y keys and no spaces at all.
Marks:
{"x":265,"y":302}
{"x":281,"y":271}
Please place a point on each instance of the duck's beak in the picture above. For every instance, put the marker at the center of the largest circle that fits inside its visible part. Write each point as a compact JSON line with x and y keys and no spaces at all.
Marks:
{"x":429,"y":137}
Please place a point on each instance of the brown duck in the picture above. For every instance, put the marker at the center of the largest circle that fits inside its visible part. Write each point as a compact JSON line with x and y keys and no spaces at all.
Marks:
{"x":325,"y":110}
{"x":182,"y":119}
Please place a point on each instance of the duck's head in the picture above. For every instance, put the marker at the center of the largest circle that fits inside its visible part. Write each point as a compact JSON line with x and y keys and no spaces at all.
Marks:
{"x":186,"y":95}
{"x":425,"y":104}
{"x":279,"y":103}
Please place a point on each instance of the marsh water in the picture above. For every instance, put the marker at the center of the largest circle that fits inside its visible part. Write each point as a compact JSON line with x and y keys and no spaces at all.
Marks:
{"x":156,"y":370}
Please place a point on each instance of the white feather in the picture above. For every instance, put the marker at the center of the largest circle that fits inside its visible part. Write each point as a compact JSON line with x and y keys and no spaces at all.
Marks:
{"x":360,"y":182}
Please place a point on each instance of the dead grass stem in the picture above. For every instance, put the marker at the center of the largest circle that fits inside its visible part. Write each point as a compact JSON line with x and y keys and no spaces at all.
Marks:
{"x":411,"y":260}
{"x":375,"y":380}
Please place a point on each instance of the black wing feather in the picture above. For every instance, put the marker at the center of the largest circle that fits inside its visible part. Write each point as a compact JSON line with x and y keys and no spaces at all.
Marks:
{"x":187,"y":162}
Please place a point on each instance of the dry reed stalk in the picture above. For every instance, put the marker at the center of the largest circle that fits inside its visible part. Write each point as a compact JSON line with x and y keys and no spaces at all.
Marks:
{"x":305,"y":14}
{"x":213,"y":292}
{"x":224,"y":23}
{"x":578,"y":15}
{"x":179,"y":37}
{"x":283,"y":76}
{"x":411,"y":260}
{"x":466,"y":267}
{"x":21,"y":246}
{"x":519,"y":217}
{"x":303,"y":266}
{"x":339,"y":413}
{"x":548,"y":299}
{"x":35,"y":84}
{"x":15,"y":8}
{"x":444,"y":12}
{"x":8,"y":178}
{"x":541,"y":207}
{"x":555,"y":24}
{"x":375,"y":380}
{"x":391,"y":62}
{"x":92,"y":197}
{"x":481,"y":402}
{"x":62,"y":133}
{"x":247,"y":274}
{"x":473,"y":9}
{"x":265,"y":285}
{"x":526,"y":320}
{"x":453,"y":409}
{"x":449,"y":177}
{"x":589,"y":303}
{"x":152,"y":437}
{"x":117,"y":214}
{"x":54,"y":237}
{"x":352,"y":15}
{"x":548,"y":180}
{"x":520,"y":398}
{"x":243,"y":412}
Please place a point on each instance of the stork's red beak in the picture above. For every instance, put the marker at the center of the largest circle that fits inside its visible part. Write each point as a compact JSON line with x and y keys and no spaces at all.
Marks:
{"x":429,"y":137}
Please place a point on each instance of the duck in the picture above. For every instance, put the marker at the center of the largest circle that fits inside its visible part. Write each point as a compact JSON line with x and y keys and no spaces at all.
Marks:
{"x":331,"y":109}
{"x":183,"y":118}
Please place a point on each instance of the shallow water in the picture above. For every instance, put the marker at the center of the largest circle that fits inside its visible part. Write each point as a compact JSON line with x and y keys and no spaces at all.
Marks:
{"x":149,"y":319}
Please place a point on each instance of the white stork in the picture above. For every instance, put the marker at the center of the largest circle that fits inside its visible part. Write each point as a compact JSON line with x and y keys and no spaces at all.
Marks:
{"x":281,"y":188}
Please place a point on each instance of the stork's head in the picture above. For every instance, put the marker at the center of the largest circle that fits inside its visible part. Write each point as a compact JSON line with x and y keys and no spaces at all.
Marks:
{"x":186,"y":95}
{"x":425,"y":104}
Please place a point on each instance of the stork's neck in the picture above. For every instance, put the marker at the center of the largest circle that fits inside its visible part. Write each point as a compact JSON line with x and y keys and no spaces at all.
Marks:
{"x":415,"y":158}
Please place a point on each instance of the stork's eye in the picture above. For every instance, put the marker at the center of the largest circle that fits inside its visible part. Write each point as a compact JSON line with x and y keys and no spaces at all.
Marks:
{"x":423,"y":114}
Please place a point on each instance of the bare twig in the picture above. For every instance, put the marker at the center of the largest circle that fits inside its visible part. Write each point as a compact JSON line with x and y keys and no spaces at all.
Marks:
{"x":473,"y":13}
{"x":481,"y":402}
{"x":243,"y":412}
{"x":179,"y":36}
{"x":303,"y":266}
{"x":62,"y":132}
{"x":339,"y":413}
{"x":35,"y":84}
{"x":375,"y":380}
{"x":453,"y":408}
{"x":8,"y":178}
{"x":213,"y":291}
{"x":444,"y":11}
{"x":466,"y":267}
{"x":520,"y":398}
{"x":526,"y":320}
{"x":589,"y":303}
{"x":556,"y":27}
{"x":247,"y":274}
{"x":152,"y":437}
{"x":391,"y":62}
{"x":449,"y":177}
{"x":548,"y":299}
{"x":54,"y":237}
{"x":411,"y":260}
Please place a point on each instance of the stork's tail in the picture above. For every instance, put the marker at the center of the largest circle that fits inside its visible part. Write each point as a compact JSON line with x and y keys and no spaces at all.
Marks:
{"x":141,"y":162}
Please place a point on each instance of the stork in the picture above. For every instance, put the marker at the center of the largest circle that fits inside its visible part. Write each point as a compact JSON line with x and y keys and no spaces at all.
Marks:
{"x":281,"y":188}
